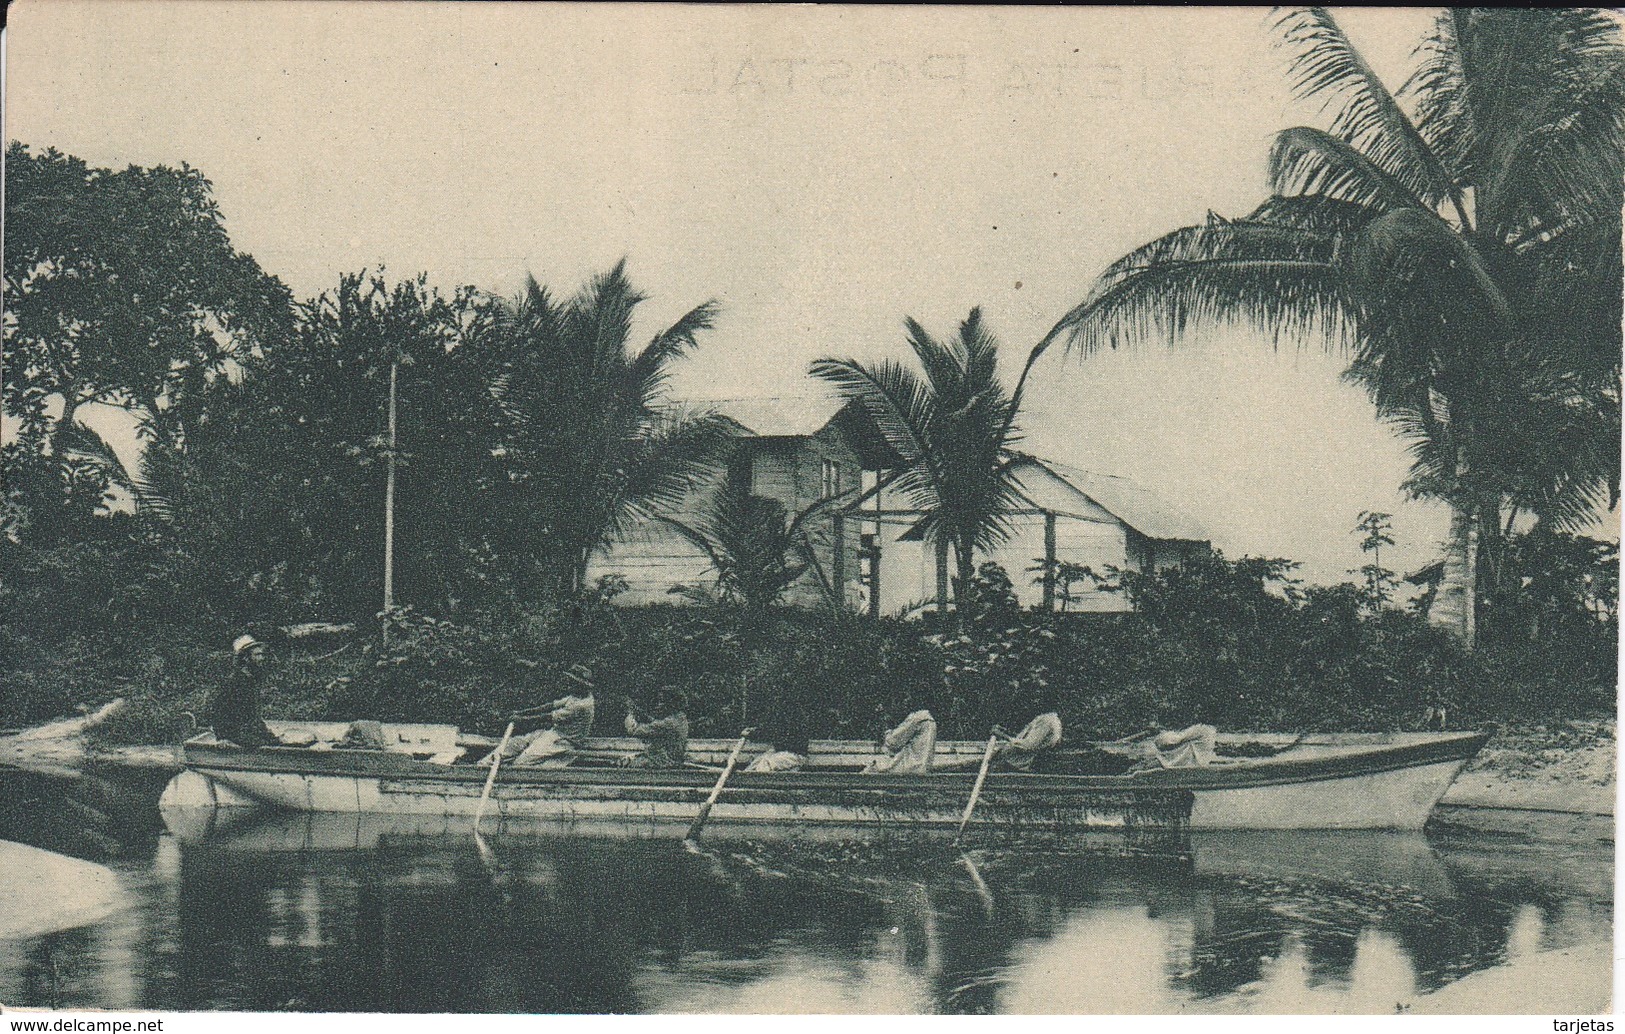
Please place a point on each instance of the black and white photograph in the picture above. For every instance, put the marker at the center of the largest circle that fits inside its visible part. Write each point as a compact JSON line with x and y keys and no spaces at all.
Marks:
{"x":542,"y":508}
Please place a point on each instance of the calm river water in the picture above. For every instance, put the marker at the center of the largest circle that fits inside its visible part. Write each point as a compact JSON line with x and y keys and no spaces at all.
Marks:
{"x":324,"y":913}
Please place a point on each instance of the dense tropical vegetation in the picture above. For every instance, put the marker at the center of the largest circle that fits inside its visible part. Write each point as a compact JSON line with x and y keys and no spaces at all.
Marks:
{"x":1459,"y":238}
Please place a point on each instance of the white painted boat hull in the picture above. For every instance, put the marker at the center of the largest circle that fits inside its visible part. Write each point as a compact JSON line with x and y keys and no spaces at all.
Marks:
{"x":1369,"y":781}
{"x":1397,"y":799}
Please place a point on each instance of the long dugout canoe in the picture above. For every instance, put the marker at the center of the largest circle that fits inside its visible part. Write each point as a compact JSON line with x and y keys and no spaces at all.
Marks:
{"x":1357,"y":782}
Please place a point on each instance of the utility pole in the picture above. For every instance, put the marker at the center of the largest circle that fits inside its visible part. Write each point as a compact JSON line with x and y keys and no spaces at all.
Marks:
{"x":389,"y":501}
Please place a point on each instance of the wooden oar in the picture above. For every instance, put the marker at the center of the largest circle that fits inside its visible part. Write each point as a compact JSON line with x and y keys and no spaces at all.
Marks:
{"x":496,"y":762}
{"x":716,"y":791}
{"x":976,"y":790}
{"x":1125,"y":740}
{"x":976,"y":881}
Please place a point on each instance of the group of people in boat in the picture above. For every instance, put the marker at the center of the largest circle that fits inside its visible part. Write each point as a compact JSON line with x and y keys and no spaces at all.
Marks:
{"x":555,"y":733}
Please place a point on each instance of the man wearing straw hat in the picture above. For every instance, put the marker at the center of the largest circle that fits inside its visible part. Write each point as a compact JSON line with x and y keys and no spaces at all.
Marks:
{"x":234,"y":707}
{"x":571,"y":717}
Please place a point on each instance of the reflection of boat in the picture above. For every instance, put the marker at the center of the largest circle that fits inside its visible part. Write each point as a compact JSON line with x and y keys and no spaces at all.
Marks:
{"x":1352,"y":781}
{"x":1401,"y":858}
{"x":45,"y":891}
{"x":250,"y":830}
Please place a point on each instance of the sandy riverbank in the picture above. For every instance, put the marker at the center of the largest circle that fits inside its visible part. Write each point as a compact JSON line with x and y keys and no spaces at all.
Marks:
{"x":1558,"y":778}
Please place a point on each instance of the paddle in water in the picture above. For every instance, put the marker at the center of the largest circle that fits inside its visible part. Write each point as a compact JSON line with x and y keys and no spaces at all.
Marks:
{"x":976,"y":789}
{"x":496,"y":762}
{"x":716,"y":791}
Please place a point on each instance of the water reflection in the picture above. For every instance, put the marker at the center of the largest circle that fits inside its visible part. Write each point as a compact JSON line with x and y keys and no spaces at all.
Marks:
{"x":367,"y":914}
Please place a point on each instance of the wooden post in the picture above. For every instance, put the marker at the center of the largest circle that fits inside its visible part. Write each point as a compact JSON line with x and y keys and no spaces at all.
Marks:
{"x":1049,"y":561}
{"x":874,"y":551}
{"x":942,"y":578}
{"x":389,"y":497}
{"x":837,"y":565}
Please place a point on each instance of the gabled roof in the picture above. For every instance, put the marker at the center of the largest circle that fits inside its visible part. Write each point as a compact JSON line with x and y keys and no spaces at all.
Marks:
{"x":1129,"y":501}
{"x":802,"y":416}
{"x":1081,"y":494}
{"x":783,"y":416}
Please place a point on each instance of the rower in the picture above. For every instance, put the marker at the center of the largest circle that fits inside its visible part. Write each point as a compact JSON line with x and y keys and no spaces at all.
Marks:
{"x":1192,"y":747}
{"x":787,"y":739}
{"x":571,"y":717}
{"x":1019,"y":751}
{"x":667,"y":737}
{"x":907,"y":748}
{"x":233,"y":708}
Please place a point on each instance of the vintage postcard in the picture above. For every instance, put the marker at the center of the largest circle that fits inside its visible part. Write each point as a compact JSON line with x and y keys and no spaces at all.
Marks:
{"x":607,"y":509}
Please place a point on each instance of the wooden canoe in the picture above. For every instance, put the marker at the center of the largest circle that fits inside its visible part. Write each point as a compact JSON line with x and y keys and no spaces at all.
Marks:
{"x":1347,"y":781}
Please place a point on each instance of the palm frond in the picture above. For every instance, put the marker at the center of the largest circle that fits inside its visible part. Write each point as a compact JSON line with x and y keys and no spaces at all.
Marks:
{"x":899,"y":403}
{"x":154,"y":484}
{"x":1420,"y":251}
{"x":1528,"y":105}
{"x":1325,"y":216}
{"x":85,"y":442}
{"x":1438,"y":87}
{"x":1325,"y":65}
{"x":648,"y":369}
{"x":1310,"y":161}
{"x":700,"y":539}
{"x":673,"y":458}
{"x":598,"y":321}
{"x":1281,"y":278}
{"x":942,"y":361}
{"x":981,"y":351}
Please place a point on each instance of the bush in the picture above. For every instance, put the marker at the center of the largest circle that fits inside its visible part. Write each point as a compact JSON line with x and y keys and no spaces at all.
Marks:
{"x":1236,"y":644}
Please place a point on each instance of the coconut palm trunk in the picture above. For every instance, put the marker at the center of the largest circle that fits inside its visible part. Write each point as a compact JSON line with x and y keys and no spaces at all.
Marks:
{"x":1456,"y":606}
{"x":965,"y":557}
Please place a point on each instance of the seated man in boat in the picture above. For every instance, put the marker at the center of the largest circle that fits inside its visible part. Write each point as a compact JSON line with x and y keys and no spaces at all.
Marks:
{"x":1016,"y":752}
{"x":233,"y":709}
{"x":785,"y":731}
{"x":667,"y":737}
{"x":908,"y":749}
{"x":570,"y":717}
{"x":1021,"y":750}
{"x":1192,"y":747}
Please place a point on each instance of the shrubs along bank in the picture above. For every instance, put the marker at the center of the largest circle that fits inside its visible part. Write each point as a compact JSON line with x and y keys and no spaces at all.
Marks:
{"x":1233,"y":643}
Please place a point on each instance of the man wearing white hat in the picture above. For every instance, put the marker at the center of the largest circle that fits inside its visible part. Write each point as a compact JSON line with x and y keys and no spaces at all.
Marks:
{"x":571,"y":717}
{"x":234,"y":706}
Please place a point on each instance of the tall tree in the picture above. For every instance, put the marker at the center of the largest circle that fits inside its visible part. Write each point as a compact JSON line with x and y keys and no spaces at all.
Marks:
{"x":1461,"y":238}
{"x":122,"y":288}
{"x":953,"y":425}
{"x":590,"y":437}
{"x":283,"y":493}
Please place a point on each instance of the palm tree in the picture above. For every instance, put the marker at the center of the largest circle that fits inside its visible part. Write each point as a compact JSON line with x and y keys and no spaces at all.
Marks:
{"x":153,"y":484}
{"x":954,"y":428}
{"x":756,"y":551}
{"x":590,"y":437}
{"x":1460,"y":239}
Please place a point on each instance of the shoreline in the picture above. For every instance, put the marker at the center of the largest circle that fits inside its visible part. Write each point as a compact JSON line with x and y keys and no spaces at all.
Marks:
{"x":1556,"y":779}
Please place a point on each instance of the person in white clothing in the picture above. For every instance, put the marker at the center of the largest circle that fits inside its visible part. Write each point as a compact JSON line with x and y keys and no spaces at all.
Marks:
{"x":909,"y":747}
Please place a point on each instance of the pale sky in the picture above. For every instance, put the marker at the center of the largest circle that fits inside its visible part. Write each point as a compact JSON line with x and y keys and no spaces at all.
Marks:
{"x":821,"y":171}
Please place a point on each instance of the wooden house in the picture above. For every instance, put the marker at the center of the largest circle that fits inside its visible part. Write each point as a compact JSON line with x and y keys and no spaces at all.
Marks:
{"x":818,"y":452}
{"x":801,"y":452}
{"x":1072,"y":516}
